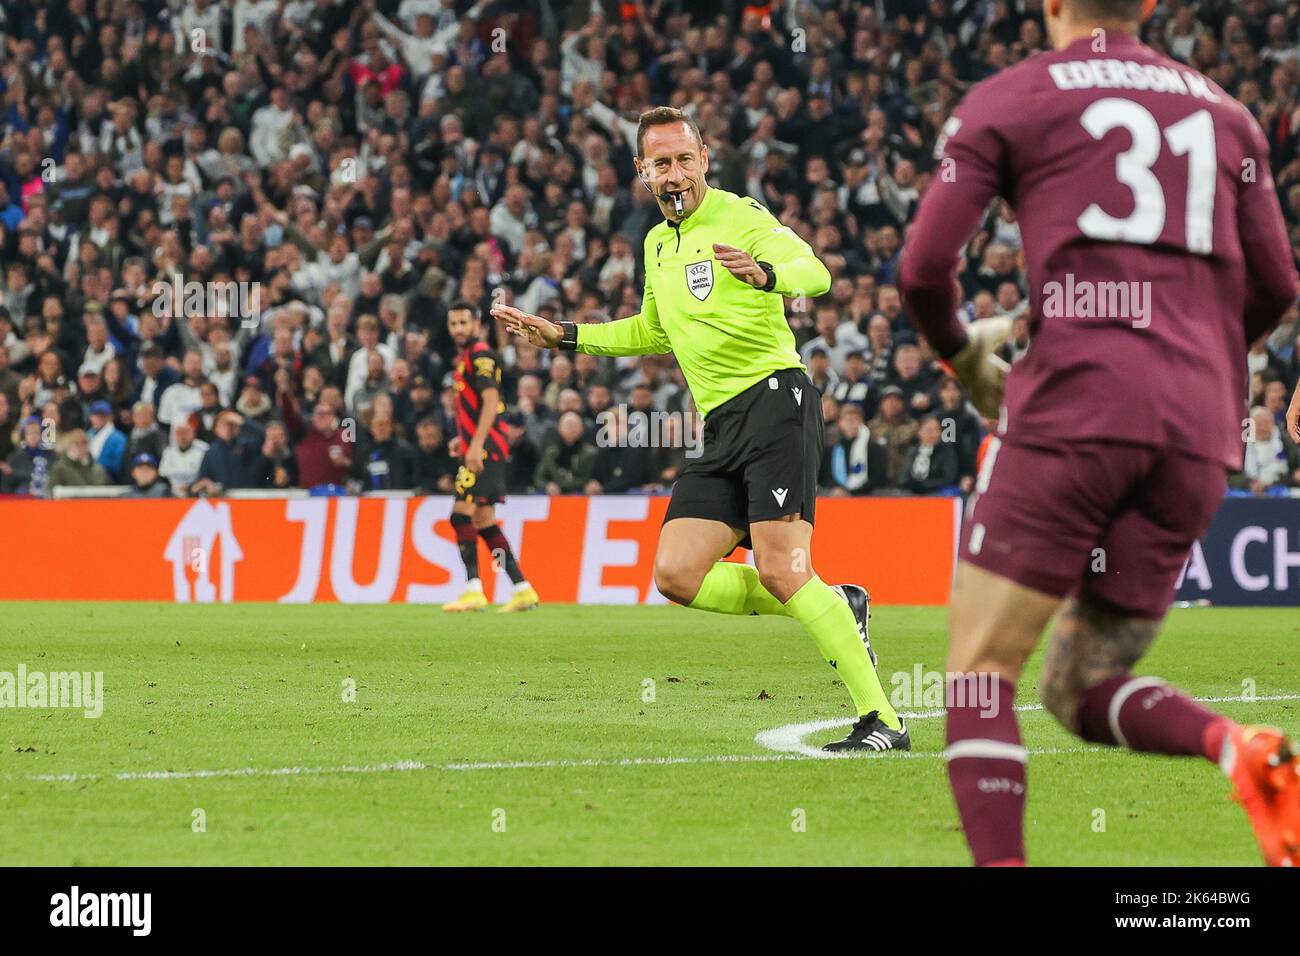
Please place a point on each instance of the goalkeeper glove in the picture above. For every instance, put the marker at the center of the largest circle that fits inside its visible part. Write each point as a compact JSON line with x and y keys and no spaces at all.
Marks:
{"x":980,"y":368}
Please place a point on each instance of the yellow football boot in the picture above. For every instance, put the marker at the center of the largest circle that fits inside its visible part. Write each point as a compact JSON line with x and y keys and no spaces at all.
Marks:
{"x":469,"y":601}
{"x":524,"y":600}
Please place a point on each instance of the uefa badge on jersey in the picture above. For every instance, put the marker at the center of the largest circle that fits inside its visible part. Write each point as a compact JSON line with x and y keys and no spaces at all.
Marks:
{"x":699,"y":278}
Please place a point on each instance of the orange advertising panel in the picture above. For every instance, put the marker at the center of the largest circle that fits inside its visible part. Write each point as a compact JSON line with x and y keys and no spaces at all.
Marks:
{"x":366,"y":550}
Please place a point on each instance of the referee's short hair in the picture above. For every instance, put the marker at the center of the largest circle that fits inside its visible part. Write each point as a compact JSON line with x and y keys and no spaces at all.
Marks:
{"x":663,"y":116}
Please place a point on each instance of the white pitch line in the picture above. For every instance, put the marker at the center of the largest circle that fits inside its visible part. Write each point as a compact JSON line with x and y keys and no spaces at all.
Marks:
{"x":786,"y":742}
{"x":398,"y":767}
{"x":411,"y":765}
{"x":403,"y":766}
{"x":624,"y":762}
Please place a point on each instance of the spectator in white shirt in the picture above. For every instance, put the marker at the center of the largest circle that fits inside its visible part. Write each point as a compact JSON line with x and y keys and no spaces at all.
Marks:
{"x":512,"y":217}
{"x":182,"y":459}
{"x":99,"y":350}
{"x":1183,"y":32}
{"x":269,"y":123}
{"x":1280,"y":48}
{"x":419,"y":48}
{"x":254,"y":13}
{"x":620,"y":266}
{"x":836,"y":338}
{"x":1270,"y":459}
{"x":358,"y":367}
{"x":203,"y":15}
{"x":582,"y":58}
{"x":183,"y":398}
{"x":443,"y":12}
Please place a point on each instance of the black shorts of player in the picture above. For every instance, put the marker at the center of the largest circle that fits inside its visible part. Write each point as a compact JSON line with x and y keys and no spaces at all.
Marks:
{"x":488,"y":488}
{"x":761,"y":455}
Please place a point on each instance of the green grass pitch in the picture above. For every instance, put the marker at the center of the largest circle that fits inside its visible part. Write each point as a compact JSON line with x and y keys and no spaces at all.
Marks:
{"x":521,"y":728}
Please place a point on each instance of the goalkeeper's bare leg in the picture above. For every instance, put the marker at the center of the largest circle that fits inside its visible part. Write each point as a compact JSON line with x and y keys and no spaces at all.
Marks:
{"x":1087,"y":684}
{"x":689,"y":571}
{"x":993,"y":625}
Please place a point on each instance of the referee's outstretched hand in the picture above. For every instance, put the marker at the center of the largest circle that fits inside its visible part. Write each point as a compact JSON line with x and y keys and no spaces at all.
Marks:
{"x":741,"y":265}
{"x":534,"y":328}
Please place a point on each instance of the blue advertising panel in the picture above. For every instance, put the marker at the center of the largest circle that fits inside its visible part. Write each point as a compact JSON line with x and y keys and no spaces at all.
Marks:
{"x":1250,"y":555}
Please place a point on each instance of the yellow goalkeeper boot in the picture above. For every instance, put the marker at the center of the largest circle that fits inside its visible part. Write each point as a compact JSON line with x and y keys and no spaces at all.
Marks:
{"x":472,"y":600}
{"x":522,"y":600}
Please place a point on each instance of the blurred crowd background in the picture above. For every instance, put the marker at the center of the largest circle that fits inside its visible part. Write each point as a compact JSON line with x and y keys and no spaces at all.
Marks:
{"x":354,"y":167}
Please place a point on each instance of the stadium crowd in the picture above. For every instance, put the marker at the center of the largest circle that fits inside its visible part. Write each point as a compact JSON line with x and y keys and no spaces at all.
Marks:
{"x":354,"y":166}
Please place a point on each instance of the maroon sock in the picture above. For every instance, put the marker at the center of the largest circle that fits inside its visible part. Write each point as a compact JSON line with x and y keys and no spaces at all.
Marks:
{"x":986,"y":767}
{"x":1147,"y":715}
{"x":496,"y":541}
{"x":467,"y":541}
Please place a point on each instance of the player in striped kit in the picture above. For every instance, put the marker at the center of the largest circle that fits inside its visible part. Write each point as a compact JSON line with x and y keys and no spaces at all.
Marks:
{"x":481,"y":479}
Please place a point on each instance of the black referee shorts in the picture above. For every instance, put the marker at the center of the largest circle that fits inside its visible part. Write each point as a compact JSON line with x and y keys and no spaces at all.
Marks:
{"x":762,"y":452}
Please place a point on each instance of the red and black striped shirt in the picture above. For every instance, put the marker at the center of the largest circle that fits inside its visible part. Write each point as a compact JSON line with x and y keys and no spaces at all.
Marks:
{"x":478,"y":370}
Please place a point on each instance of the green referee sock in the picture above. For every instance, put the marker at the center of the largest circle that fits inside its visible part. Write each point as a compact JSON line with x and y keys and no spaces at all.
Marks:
{"x":827,"y":619}
{"x":731,"y":588}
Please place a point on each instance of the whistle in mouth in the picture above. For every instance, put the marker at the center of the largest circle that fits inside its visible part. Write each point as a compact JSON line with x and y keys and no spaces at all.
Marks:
{"x":677,"y":203}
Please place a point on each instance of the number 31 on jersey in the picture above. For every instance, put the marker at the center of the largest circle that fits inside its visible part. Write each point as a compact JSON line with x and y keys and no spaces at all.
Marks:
{"x":1192,"y":137}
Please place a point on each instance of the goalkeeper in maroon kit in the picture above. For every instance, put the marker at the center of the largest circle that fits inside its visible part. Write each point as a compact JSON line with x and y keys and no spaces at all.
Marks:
{"x":1157,"y":252}
{"x":481,"y":479}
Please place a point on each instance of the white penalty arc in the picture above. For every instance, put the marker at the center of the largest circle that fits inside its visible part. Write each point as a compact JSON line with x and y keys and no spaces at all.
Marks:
{"x":790,"y":737}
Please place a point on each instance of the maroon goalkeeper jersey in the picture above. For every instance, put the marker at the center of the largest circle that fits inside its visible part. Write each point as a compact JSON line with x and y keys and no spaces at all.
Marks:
{"x":1155,"y":244}
{"x":478,"y":370}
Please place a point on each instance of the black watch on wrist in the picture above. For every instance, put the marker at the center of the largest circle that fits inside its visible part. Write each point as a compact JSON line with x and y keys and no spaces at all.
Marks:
{"x":568,"y":337}
{"x":771,"y":276}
